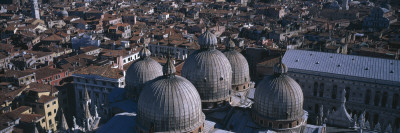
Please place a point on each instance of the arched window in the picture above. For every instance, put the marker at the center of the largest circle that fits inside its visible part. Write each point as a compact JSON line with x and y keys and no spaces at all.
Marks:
{"x":280,"y":126}
{"x":377,"y":98}
{"x":384,"y":99}
{"x":315,"y":88}
{"x":316,"y":108}
{"x":334,"y":91}
{"x":367,"y":96}
{"x":395,"y":102}
{"x":321,"y":90}
{"x":376,"y":118}
{"x":397,"y":123}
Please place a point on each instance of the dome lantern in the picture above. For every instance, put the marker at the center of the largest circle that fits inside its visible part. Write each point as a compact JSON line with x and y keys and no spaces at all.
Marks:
{"x":207,"y":40}
{"x":280,"y":68}
{"x":229,"y":44}
{"x":144,"y":52}
{"x":169,"y":68}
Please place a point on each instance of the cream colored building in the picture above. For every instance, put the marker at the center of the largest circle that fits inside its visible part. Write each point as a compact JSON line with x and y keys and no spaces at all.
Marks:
{"x":44,"y":100}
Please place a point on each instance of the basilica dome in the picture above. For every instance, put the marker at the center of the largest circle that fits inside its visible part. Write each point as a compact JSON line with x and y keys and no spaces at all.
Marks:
{"x":240,"y":67}
{"x":278,"y":100}
{"x":170,"y":103}
{"x":141,"y":71}
{"x":210,"y":71}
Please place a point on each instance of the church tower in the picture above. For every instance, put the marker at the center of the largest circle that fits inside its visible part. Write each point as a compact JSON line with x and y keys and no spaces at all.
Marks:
{"x":35,"y":9}
{"x":87,"y":117}
{"x":89,"y":122}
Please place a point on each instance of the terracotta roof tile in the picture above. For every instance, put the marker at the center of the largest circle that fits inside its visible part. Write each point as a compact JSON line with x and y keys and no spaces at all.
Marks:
{"x":53,"y":37}
{"x":46,"y":99}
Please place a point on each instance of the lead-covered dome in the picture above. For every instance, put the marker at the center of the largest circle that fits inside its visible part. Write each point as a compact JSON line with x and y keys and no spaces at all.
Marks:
{"x":207,"y":39}
{"x":170,"y":103}
{"x":141,"y":71}
{"x":210,"y":71}
{"x":239,"y":65}
{"x":278,"y":99}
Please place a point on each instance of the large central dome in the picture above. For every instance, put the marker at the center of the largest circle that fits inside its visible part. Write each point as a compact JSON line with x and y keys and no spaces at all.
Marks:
{"x":170,"y":103}
{"x":210,"y":71}
{"x":278,"y":100}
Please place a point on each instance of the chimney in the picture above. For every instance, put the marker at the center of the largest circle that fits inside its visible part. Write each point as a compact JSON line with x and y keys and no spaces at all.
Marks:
{"x":120,"y":63}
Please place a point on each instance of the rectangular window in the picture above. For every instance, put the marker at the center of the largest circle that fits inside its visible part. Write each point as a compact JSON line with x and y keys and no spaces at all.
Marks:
{"x":54,"y":102}
{"x":48,"y":105}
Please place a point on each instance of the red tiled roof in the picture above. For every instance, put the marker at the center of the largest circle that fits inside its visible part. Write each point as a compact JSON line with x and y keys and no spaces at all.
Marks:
{"x":38,"y":87}
{"x":28,"y":118}
{"x":21,"y":109}
{"x":46,"y":99}
{"x":104,"y":71}
{"x":53,"y":37}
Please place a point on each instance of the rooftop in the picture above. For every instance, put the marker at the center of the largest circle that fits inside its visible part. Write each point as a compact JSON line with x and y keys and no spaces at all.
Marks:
{"x":347,"y":65}
{"x":46,"y":99}
{"x":104,"y":71}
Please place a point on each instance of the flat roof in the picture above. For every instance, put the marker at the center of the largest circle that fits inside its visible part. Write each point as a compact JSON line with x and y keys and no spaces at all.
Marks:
{"x":347,"y":65}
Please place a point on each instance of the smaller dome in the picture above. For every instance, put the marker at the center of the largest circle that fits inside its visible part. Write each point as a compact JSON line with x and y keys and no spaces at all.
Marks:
{"x":140,"y":72}
{"x":239,"y":65}
{"x":207,"y":39}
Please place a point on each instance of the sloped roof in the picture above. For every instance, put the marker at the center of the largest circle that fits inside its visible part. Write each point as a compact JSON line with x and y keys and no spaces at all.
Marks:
{"x":53,"y":37}
{"x":347,"y":65}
